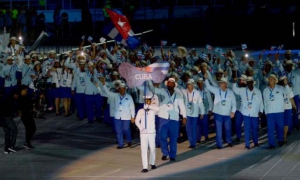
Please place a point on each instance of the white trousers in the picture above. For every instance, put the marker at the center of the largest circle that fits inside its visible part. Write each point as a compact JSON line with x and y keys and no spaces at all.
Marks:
{"x":148,"y":140}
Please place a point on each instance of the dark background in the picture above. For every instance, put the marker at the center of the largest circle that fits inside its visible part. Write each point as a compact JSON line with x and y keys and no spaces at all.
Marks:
{"x":258,"y":23}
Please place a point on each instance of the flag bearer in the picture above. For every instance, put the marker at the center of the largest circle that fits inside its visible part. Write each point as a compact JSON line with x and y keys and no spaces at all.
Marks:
{"x":145,"y":121}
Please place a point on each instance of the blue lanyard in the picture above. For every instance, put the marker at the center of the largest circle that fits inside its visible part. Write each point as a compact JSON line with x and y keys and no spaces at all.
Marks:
{"x":121,"y":98}
{"x":90,"y":74}
{"x":10,"y":69}
{"x":26,"y":71}
{"x":170,"y":97}
{"x":221,"y":94}
{"x":247,"y":95}
{"x":203,"y":95}
{"x":187,"y":94}
{"x":271,"y":91}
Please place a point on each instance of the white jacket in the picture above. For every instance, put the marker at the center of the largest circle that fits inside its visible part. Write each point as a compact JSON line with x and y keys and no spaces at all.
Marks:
{"x":146,"y":124}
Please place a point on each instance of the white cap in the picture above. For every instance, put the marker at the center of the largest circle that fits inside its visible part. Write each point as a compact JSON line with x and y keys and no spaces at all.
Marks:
{"x":117,"y":82}
{"x":204,"y":64}
{"x":171,"y":80}
{"x":282,"y":78}
{"x":196,"y":68}
{"x":190,"y":81}
{"x":200,"y":79}
{"x":27,"y":57}
{"x":122,"y":85}
{"x":90,"y":64}
{"x":174,"y":74}
{"x":9,"y":57}
{"x":36,"y":63}
{"x":115,"y":73}
{"x":289,"y":62}
{"x":123,"y":50}
{"x":188,"y":73}
{"x":109,"y":66}
{"x":81,"y":62}
{"x":250,"y":78}
{"x":269,"y":62}
{"x":243,"y":77}
{"x":220,"y":71}
{"x":149,"y":95}
{"x":223,"y":79}
{"x":52,"y":52}
{"x":13,"y":38}
{"x":274,"y":76}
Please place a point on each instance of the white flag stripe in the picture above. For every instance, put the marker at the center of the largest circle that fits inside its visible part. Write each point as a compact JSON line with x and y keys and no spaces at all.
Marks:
{"x":113,"y":33}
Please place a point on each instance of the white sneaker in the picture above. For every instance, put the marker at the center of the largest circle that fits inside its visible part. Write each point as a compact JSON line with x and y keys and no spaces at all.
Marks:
{"x":6,"y":152}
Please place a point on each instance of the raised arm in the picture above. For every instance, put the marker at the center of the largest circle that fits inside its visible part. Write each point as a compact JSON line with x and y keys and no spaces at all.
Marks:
{"x":236,"y":89}
{"x":210,"y":87}
{"x":70,"y":64}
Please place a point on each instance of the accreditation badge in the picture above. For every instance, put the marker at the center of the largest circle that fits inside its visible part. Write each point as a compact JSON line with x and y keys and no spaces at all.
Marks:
{"x":286,"y":101}
{"x":189,"y":105}
{"x":223,"y":102}
{"x":272,"y":97}
{"x":249,"y":105}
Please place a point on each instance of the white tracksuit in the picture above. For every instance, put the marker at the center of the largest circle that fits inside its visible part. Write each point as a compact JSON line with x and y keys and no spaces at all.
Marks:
{"x":146,"y":125}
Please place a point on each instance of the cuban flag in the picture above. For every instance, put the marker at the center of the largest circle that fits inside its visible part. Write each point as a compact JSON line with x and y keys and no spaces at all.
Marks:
{"x":272,"y":48}
{"x":113,"y":33}
{"x":162,"y":66}
{"x":140,"y":55}
{"x":104,"y":65}
{"x":218,"y":49}
{"x":222,"y":54}
{"x":90,"y":39}
{"x":280,"y":47}
{"x":123,"y":27}
{"x":163,"y":43}
{"x":244,"y":47}
{"x":203,"y":56}
{"x":208,"y":47}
